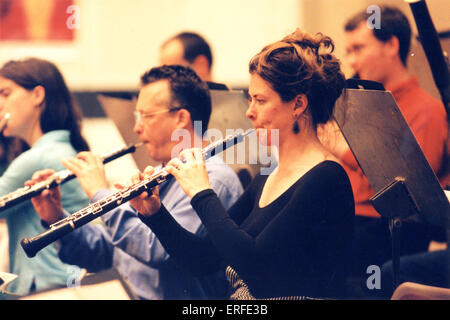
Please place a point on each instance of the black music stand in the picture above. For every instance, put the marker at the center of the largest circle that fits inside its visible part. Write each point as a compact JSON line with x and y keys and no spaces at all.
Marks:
{"x":404,"y":183}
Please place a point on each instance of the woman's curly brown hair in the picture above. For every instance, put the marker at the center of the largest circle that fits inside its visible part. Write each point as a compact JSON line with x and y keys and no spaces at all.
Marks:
{"x":303,"y":64}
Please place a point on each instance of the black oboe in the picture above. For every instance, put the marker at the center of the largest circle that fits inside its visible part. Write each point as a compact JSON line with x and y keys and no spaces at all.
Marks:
{"x":28,"y":192}
{"x":57,"y":230}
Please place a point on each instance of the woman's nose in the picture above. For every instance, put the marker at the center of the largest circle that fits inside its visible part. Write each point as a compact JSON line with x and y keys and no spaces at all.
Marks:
{"x":250,"y":112}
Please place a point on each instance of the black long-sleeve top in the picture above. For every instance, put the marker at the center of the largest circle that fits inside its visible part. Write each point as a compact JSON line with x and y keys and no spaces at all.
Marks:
{"x":295,"y":246}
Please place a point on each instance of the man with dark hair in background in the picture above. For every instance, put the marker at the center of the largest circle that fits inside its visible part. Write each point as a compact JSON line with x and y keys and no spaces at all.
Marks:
{"x":190,"y":49}
{"x":380,"y":54}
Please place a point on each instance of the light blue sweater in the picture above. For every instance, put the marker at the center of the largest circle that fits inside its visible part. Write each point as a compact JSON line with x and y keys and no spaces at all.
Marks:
{"x":45,"y":269}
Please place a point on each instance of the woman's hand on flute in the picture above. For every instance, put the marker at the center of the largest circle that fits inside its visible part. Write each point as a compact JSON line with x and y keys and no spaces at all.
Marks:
{"x":48,"y":204}
{"x":190,"y":171}
{"x":146,"y":204}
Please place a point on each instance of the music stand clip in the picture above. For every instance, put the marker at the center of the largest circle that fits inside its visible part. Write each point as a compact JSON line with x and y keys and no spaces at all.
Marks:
{"x":395,"y":200}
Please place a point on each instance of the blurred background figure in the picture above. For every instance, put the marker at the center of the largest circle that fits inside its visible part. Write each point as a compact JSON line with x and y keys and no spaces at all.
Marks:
{"x":380,"y":54}
{"x":10,"y":148}
{"x":190,"y":49}
{"x":41,"y":113}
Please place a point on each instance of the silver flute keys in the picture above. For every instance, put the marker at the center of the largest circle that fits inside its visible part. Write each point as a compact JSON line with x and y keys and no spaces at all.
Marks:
{"x":58,"y":178}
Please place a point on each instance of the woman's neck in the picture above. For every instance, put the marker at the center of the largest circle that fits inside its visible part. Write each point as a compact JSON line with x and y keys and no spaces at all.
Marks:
{"x":298,"y":154}
{"x":298,"y":151}
{"x":34,"y":134}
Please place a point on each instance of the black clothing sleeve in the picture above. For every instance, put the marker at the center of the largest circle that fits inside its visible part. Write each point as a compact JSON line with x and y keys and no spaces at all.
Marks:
{"x":191,"y":251}
{"x":296,"y":245}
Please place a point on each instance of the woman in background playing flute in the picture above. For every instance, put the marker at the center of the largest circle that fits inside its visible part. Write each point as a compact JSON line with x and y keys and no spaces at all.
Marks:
{"x":34,"y":94}
{"x":288,"y":235}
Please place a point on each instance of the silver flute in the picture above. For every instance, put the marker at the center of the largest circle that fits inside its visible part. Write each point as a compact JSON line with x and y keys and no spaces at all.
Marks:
{"x":59,"y":229}
{"x":58,"y":178}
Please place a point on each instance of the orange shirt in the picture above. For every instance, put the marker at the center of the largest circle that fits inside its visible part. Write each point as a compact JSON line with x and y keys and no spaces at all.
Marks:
{"x":426,"y":117}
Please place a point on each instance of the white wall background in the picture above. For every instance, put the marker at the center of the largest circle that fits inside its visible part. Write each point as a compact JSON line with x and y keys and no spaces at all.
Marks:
{"x":118,"y":40}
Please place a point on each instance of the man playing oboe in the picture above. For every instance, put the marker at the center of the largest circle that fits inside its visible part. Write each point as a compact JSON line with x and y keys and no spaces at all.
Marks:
{"x":171,"y":99}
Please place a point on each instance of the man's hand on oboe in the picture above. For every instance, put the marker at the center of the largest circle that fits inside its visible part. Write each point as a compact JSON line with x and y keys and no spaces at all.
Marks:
{"x":48,"y":203}
{"x":146,"y":204}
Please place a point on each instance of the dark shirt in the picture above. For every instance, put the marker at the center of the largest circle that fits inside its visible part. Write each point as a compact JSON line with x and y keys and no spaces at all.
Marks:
{"x":295,"y":246}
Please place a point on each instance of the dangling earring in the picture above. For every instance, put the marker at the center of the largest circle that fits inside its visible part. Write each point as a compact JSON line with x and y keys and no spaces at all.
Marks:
{"x":295,"y":127}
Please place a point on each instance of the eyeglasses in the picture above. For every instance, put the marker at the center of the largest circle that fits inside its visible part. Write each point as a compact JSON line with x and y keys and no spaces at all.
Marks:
{"x":138,"y":116}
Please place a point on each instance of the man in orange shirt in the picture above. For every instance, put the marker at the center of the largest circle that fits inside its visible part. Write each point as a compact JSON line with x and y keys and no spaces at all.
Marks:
{"x":380,"y":54}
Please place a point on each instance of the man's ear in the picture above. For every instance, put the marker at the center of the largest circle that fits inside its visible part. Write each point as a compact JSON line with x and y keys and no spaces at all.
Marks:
{"x":183,"y":119}
{"x":201,"y":67}
{"x":392,"y":47}
{"x":38,"y":95}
